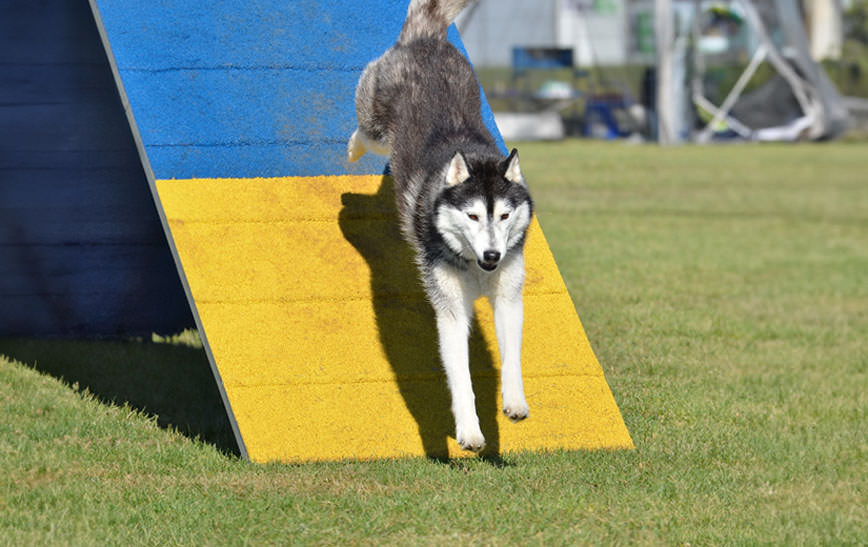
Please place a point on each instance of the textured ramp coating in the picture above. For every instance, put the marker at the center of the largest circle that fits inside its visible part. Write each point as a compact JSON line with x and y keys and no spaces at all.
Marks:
{"x":242,"y":89}
{"x":326,"y":345}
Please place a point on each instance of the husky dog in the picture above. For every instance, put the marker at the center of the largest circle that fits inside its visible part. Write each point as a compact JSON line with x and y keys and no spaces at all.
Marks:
{"x":463,"y":207}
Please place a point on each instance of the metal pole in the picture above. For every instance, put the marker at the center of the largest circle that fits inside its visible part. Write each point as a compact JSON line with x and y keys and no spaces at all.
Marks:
{"x":664,"y":28}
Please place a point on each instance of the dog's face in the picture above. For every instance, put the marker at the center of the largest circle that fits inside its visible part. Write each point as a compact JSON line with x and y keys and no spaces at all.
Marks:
{"x":484,"y":209}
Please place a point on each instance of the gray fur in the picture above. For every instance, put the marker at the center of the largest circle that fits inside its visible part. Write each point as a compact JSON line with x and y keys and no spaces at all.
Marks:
{"x":420,"y":103}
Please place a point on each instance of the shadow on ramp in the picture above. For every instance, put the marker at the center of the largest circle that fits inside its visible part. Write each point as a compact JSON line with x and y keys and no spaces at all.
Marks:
{"x":406,"y":325}
{"x":170,"y":381}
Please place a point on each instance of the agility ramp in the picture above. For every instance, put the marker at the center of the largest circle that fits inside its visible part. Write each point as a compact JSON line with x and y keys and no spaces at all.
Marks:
{"x":306,"y":297}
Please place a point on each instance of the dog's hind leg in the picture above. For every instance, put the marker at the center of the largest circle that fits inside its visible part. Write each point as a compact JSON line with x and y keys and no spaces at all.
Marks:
{"x":355,"y":147}
{"x":374,"y":146}
{"x":373,"y":112}
{"x":360,"y":143}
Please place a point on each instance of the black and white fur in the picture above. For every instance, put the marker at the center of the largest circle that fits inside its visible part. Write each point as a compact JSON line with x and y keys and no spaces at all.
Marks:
{"x":463,"y":207}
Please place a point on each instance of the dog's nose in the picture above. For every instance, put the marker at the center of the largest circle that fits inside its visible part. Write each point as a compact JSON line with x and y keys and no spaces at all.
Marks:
{"x":491,"y":256}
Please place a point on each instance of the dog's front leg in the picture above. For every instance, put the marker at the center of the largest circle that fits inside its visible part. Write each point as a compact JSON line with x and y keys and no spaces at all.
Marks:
{"x":508,"y":322}
{"x":452,"y":329}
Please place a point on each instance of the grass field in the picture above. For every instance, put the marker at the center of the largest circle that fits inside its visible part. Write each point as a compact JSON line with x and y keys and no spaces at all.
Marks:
{"x":725,"y":291}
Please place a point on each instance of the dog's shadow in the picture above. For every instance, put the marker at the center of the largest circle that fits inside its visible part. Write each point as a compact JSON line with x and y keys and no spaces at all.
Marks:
{"x":407,"y":329}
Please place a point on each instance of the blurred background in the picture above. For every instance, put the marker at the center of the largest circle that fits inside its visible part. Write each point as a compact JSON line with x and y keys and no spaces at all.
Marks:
{"x":673,"y":70}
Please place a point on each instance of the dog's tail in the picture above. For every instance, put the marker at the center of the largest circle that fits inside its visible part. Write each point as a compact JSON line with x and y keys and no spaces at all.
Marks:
{"x":430,"y":19}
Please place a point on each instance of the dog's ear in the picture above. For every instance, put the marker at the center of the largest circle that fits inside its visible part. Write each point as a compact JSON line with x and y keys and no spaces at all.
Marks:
{"x":457,"y":172}
{"x":511,"y":169}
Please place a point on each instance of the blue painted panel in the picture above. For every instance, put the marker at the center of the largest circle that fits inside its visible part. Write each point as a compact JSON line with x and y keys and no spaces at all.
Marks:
{"x":306,"y":34}
{"x":247,"y":122}
{"x":240,"y":89}
{"x":318,"y":157}
{"x":243,"y":106}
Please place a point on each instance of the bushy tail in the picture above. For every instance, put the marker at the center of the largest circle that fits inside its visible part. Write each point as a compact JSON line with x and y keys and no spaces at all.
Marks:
{"x":430,"y":18}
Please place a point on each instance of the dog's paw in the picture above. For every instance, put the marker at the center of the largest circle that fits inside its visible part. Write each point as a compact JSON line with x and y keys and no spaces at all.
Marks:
{"x":474,"y":442}
{"x":516,"y":410}
{"x":355,"y":148}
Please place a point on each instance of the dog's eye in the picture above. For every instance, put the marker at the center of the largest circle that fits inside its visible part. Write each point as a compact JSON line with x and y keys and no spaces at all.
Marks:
{"x":504,"y":216}
{"x":472,"y":217}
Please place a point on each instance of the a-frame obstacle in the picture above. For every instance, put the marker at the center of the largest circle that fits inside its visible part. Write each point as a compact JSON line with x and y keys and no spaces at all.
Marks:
{"x":306,"y":297}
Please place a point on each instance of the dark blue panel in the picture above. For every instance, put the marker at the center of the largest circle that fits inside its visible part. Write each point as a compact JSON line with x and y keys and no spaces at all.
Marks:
{"x":47,"y":32}
{"x":34,"y":84}
{"x":71,"y":206}
{"x":98,"y":189}
{"x":47,"y":160}
{"x":82,"y":250}
{"x":61,"y":126}
{"x":87,"y":290}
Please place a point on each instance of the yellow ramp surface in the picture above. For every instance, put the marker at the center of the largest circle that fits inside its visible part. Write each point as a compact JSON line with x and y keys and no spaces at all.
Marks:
{"x":311,"y":306}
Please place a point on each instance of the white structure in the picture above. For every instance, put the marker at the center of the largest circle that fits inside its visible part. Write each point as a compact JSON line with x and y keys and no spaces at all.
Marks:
{"x":679,"y":37}
{"x":596,"y":30}
{"x":799,"y":103}
{"x":824,"y":23}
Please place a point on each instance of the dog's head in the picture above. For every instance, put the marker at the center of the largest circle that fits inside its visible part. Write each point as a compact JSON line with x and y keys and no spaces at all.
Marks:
{"x":484,"y":208}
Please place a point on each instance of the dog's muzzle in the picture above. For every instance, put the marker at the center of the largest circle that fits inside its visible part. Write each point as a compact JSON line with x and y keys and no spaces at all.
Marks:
{"x":490,"y":260}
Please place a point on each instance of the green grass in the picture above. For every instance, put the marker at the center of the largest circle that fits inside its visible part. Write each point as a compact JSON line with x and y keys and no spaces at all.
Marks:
{"x":725,"y":291}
